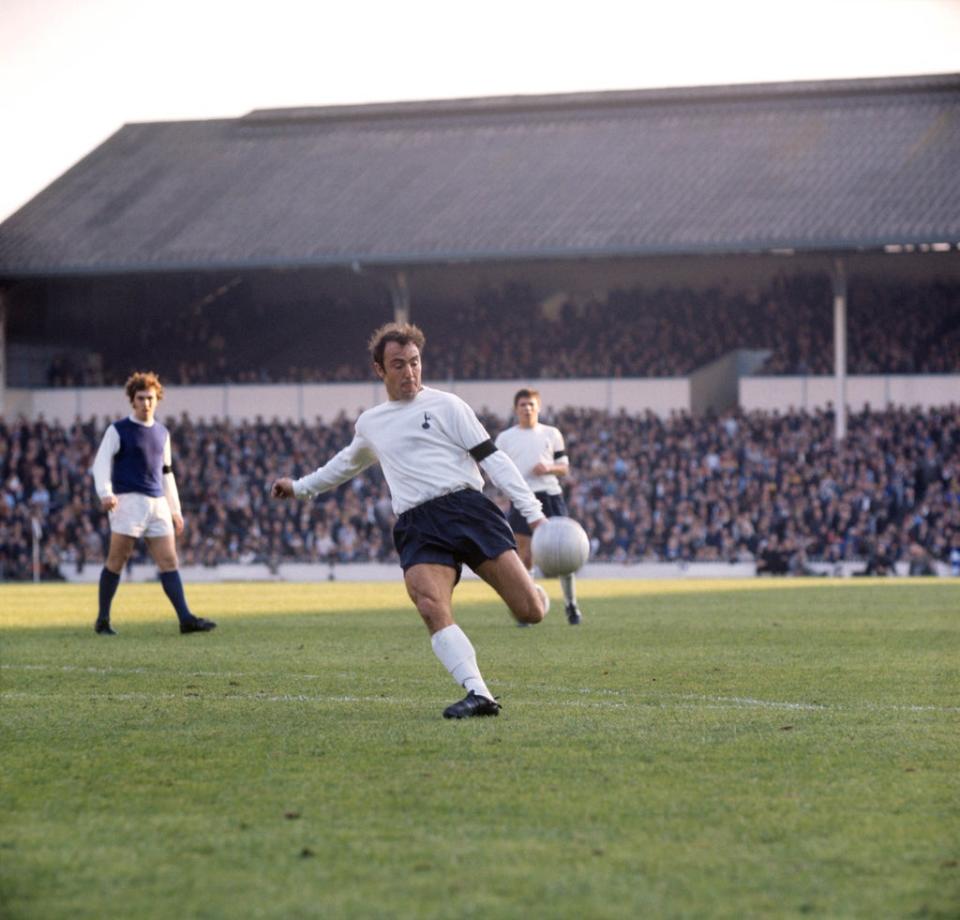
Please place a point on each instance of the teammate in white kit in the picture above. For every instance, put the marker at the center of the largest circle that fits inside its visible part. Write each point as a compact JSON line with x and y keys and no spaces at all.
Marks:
{"x":430,"y":445}
{"x":539,"y":453}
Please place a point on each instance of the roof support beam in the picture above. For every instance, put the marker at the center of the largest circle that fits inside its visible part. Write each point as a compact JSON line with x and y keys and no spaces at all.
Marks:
{"x":400,"y":295}
{"x":838,"y":276}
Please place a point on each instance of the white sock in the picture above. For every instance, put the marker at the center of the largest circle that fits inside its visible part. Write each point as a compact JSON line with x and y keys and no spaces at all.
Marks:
{"x":569,"y":591}
{"x":456,"y":654}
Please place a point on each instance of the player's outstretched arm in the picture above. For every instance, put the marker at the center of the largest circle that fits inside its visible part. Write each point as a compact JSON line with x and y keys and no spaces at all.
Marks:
{"x":506,"y":477}
{"x":282,"y":488}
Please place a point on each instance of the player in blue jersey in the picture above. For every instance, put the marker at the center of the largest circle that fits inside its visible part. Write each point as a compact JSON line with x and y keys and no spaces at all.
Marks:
{"x":133,"y":476}
{"x":540,"y":455}
{"x":431,"y":446}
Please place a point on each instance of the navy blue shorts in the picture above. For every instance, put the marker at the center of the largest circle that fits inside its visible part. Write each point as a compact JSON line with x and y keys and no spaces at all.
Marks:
{"x":553,"y":506}
{"x":462,"y":527}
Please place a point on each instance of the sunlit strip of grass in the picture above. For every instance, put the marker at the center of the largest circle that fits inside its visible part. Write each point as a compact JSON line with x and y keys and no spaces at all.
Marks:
{"x":59,"y":605}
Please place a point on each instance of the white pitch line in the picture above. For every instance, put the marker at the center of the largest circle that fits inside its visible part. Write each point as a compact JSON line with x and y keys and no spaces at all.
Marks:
{"x":622,"y":700}
{"x":688,"y":703}
{"x":746,"y":701}
{"x":71,"y":667}
{"x":80,"y":669}
{"x":255,"y":697}
{"x":134,"y":697}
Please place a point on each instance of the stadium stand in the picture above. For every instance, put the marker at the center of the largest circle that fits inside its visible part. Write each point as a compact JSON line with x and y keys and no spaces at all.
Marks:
{"x":267,"y":246}
{"x":293,"y":222}
{"x":892,"y":328}
{"x":767,"y":487}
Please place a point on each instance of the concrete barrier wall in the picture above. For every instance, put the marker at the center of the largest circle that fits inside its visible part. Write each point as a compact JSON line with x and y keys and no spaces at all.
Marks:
{"x":307,"y":402}
{"x":715,"y":386}
{"x":784,"y":393}
{"x":662,"y":396}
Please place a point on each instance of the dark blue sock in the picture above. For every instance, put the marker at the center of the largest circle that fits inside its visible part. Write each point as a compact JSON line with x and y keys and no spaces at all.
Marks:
{"x":173,"y":588}
{"x":108,"y":587}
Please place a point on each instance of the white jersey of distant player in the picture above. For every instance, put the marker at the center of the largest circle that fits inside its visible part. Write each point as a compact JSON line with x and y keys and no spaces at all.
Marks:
{"x":529,"y":446}
{"x":422,"y":445}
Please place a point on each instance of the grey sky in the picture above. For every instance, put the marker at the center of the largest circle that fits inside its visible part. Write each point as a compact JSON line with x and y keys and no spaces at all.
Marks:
{"x":74,"y":71}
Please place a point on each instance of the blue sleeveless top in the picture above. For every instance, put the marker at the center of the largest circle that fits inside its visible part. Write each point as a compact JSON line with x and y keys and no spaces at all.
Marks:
{"x":138,"y":465}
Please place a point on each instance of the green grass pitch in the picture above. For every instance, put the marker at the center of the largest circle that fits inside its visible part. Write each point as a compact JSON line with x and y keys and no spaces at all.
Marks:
{"x":694,"y":749}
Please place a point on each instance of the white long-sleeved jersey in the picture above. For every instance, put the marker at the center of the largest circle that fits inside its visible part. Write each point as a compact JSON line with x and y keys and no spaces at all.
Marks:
{"x":423,"y":446}
{"x":529,"y":446}
{"x":102,"y":468}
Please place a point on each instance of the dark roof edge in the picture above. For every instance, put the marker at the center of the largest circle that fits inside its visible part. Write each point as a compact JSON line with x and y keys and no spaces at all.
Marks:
{"x":410,"y":260}
{"x":694,"y":95}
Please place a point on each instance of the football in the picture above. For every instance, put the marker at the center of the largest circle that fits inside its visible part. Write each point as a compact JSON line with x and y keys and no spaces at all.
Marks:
{"x":560,"y":546}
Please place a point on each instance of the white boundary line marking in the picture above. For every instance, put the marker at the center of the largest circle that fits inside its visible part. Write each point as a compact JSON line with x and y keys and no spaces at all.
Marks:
{"x":746,"y":701}
{"x":622,"y":698}
{"x":255,"y":697}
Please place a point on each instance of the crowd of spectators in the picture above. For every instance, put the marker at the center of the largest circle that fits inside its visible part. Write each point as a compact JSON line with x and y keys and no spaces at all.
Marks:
{"x":769,"y":488}
{"x":775,"y":489}
{"x":505,"y":334}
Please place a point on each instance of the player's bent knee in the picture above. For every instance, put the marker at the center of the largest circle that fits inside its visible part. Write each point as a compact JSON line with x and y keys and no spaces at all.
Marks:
{"x":532,"y":610}
{"x":435,"y":616}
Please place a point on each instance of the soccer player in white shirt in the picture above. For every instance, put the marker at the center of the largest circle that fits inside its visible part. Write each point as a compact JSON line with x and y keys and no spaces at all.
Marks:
{"x":540,"y":455}
{"x":431,"y":446}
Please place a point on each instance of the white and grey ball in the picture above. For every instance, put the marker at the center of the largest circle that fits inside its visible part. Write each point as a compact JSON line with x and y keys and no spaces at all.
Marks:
{"x":560,"y":546}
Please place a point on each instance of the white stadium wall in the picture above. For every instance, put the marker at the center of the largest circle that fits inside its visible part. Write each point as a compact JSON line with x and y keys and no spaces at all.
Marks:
{"x":307,"y":402}
{"x":662,"y":396}
{"x":877,"y":392}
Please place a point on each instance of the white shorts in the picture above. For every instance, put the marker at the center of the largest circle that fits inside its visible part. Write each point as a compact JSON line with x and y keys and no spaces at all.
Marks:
{"x":139,"y":515}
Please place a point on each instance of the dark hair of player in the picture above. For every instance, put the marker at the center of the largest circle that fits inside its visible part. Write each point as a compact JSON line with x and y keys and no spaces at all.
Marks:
{"x":525,"y":393}
{"x":401,"y":333}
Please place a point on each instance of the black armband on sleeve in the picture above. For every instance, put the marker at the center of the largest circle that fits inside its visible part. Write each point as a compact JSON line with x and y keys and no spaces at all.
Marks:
{"x":167,"y":468}
{"x":558,"y":454}
{"x":483,"y":450}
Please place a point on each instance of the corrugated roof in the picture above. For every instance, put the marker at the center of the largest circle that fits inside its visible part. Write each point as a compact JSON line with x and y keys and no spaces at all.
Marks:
{"x":825,"y":166}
